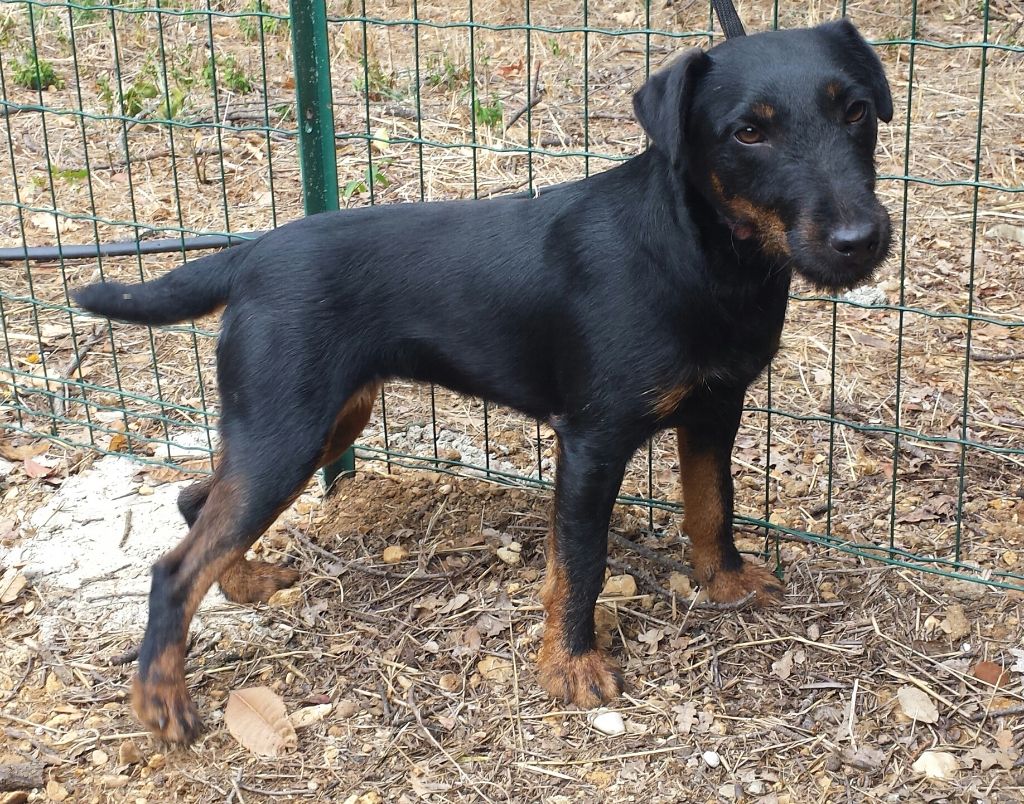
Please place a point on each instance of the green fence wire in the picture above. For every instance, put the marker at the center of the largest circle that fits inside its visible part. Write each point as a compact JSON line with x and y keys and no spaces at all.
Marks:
{"x":891,"y":425}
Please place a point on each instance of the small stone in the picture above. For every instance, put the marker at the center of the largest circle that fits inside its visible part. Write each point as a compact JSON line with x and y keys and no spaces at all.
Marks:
{"x":444,"y":488}
{"x":679,"y":585}
{"x":607,"y":722}
{"x":619,"y":586}
{"x":55,"y":791}
{"x":711,"y":759}
{"x":1010,"y":558}
{"x":114,"y":780}
{"x":285,"y":598}
{"x":156,"y":762}
{"x":394,"y":553}
{"x":99,"y":757}
{"x":345,"y":708}
{"x":128,"y":754}
{"x":145,"y":491}
{"x":508,"y":555}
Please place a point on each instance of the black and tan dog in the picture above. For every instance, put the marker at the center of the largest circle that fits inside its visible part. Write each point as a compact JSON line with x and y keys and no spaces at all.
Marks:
{"x":646,"y":297}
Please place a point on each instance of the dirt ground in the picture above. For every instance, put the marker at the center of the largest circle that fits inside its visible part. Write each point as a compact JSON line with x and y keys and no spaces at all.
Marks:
{"x":427,"y":664}
{"x":428,"y":667}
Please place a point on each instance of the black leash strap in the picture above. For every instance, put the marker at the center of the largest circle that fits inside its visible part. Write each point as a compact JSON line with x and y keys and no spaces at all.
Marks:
{"x":728,"y":18}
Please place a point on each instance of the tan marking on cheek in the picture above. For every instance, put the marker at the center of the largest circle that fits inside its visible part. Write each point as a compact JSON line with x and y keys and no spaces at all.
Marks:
{"x":716,"y":186}
{"x":769,"y":226}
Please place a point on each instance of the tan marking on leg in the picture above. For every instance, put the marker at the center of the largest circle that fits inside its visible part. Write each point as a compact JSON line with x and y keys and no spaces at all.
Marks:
{"x":588,"y":679}
{"x":248,"y":581}
{"x":350,"y":422}
{"x":669,"y":399}
{"x":161,"y":699}
{"x":704,"y":516}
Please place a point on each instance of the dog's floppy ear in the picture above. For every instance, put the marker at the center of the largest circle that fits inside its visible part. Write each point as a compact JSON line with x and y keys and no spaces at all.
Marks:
{"x":660,"y":104}
{"x":864,"y":57}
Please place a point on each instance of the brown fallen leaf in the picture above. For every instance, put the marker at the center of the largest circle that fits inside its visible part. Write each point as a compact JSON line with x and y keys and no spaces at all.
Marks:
{"x":991,"y":673}
{"x":257,"y":718}
{"x":34,"y":469}
{"x":494,"y":668}
{"x":118,"y":443}
{"x":22,"y":452}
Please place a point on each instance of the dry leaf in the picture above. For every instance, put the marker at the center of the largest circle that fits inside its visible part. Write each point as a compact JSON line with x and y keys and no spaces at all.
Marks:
{"x":118,"y":443}
{"x":494,"y":668}
{"x":1004,"y":739}
{"x":990,"y":673}
{"x":686,"y":715}
{"x":22,"y":452}
{"x":865,"y":758}
{"x":988,"y":758}
{"x":257,"y":718}
{"x":11,"y":585}
{"x":308,"y":715}
{"x":956,"y":624}
{"x":936,"y":765}
{"x":783,"y":668}
{"x":34,"y":469}
{"x":917,"y":704}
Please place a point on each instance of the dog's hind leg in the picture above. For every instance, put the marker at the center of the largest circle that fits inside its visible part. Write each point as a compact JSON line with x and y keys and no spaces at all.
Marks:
{"x":192,"y":498}
{"x":266,"y":463}
{"x":249,"y":581}
{"x":705,"y":450}
{"x":571,"y":665}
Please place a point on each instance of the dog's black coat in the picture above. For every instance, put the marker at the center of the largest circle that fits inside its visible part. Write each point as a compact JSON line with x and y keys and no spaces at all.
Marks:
{"x":645,"y":297}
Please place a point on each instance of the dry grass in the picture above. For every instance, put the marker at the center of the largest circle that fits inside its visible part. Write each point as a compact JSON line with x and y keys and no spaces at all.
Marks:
{"x":507,"y":743}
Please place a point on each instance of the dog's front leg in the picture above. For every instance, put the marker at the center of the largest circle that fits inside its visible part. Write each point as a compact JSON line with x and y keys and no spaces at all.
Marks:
{"x":705,"y":453}
{"x":572,"y":666}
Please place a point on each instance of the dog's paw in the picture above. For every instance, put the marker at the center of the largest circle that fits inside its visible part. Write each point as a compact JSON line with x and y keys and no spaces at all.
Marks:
{"x":587,"y":680}
{"x":166,"y":709}
{"x":750,"y":581}
{"x":255,"y":581}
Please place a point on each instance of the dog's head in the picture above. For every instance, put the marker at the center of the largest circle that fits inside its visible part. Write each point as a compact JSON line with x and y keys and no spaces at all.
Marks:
{"x":777,"y":131}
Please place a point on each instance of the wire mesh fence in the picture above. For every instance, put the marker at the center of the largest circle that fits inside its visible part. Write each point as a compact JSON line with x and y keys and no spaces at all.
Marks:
{"x":889,"y":427}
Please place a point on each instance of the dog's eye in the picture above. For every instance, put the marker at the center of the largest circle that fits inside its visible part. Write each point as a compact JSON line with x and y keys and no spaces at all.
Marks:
{"x":855,"y":111}
{"x":749,"y":135}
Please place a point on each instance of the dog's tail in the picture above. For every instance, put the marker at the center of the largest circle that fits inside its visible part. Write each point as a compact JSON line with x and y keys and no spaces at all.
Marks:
{"x":190,"y":291}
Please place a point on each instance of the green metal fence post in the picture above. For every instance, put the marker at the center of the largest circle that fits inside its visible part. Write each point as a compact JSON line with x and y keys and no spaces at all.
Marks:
{"x":315,"y":114}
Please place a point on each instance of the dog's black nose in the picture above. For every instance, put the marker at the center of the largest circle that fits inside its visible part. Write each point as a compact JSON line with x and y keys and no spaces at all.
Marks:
{"x":858,"y":241}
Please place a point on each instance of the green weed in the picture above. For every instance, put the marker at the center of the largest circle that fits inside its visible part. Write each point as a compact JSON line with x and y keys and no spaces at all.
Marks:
{"x":374,"y":174}
{"x":250,"y":26}
{"x":443,"y":72}
{"x":376,"y":83}
{"x":32,"y":72}
{"x":488,"y":114}
{"x":229,"y":74}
